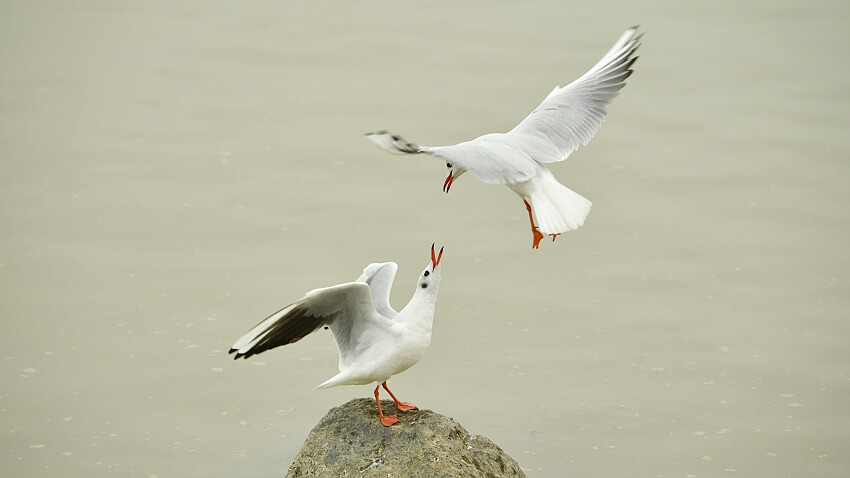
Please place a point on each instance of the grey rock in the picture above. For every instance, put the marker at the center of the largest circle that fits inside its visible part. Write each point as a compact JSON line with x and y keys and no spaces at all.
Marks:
{"x":350,"y":441}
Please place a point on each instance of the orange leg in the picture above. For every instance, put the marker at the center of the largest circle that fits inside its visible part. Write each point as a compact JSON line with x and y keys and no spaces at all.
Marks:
{"x":403,"y":406}
{"x":388,"y":420}
{"x":537,"y":235}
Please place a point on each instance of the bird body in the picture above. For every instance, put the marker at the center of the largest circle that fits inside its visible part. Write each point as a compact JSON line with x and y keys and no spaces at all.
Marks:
{"x":387,"y":348}
{"x":568,"y":117}
{"x":374,"y":341}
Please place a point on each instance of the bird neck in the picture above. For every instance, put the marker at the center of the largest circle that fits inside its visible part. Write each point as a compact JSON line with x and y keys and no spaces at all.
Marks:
{"x":419,"y":312}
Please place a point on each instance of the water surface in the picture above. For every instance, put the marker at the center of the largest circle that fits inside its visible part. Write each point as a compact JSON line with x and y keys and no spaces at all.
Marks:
{"x":169,"y":175}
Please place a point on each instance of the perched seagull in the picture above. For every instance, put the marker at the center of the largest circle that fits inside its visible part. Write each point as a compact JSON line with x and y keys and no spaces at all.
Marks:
{"x":569,"y":116}
{"x":375,"y":342}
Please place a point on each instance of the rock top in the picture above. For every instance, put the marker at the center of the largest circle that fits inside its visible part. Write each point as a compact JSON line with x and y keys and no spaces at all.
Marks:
{"x":350,"y":441}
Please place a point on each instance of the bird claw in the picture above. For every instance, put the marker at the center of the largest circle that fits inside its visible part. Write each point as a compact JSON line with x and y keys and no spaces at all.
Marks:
{"x":389,"y":420}
{"x":554,"y":236}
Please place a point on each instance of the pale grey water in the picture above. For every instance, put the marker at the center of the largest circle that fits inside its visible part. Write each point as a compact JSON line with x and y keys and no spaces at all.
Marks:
{"x":170,"y":174}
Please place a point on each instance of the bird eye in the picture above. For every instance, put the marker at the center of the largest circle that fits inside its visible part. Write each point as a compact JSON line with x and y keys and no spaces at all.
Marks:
{"x":448,"y":165}
{"x":426,"y":274}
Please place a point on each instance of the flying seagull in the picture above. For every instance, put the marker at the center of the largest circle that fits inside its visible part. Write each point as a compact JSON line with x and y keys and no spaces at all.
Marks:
{"x":569,"y":116}
{"x":375,"y":342}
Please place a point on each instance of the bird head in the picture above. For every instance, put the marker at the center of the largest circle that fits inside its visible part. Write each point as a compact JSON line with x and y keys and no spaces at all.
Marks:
{"x":454,"y":172}
{"x":430,"y":277}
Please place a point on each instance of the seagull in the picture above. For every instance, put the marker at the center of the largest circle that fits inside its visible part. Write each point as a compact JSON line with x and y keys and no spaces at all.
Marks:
{"x":569,"y":116}
{"x":375,"y":342}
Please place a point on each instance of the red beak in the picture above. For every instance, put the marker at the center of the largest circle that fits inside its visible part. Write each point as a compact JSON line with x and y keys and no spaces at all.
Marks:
{"x":448,"y":183}
{"x":435,"y":260}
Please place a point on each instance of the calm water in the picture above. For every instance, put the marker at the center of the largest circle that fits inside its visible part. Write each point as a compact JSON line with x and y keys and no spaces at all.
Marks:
{"x":169,"y":175}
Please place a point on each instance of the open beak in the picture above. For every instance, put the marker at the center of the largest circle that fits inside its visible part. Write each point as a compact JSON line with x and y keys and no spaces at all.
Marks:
{"x":435,"y":260}
{"x":448,"y":183}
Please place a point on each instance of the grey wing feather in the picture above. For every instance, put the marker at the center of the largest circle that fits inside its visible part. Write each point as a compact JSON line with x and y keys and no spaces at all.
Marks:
{"x":346,"y":309}
{"x":393,"y":143}
{"x":571,"y":115}
{"x":286,"y":326}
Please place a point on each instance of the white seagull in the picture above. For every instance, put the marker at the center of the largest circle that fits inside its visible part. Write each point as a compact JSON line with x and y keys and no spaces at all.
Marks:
{"x":569,"y":116}
{"x":375,"y":342}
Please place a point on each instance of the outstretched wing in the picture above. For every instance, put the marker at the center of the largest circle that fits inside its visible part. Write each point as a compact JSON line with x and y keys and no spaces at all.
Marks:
{"x":346,"y":309}
{"x":571,"y":115}
{"x":379,"y":276}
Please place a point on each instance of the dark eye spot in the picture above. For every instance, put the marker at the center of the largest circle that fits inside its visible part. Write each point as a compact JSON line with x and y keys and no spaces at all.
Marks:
{"x":424,"y":285}
{"x":426,"y":274}
{"x":326,"y":327}
{"x":448,"y":165}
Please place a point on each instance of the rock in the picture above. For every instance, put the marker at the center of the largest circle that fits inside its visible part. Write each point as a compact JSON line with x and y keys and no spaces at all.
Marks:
{"x":350,"y":441}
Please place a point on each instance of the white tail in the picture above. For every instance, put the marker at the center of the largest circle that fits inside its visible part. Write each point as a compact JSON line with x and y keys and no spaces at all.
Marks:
{"x":556,"y":208}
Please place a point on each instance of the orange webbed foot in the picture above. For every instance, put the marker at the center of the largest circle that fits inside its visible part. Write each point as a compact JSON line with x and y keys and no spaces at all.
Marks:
{"x":555,"y":236}
{"x":406,"y":407}
{"x":537,"y":238}
{"x":389,"y":420}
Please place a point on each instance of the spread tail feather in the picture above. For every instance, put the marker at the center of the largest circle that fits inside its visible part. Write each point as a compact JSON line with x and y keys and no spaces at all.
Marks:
{"x":348,"y":376}
{"x":328,"y":383}
{"x":556,"y":208}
